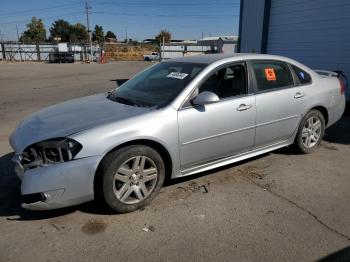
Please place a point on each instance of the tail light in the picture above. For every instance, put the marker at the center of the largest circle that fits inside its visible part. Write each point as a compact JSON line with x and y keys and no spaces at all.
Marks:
{"x":342,"y":86}
{"x":343,"y":80}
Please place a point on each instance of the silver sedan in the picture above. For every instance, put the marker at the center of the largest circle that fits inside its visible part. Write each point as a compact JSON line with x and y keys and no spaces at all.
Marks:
{"x":176,"y":118}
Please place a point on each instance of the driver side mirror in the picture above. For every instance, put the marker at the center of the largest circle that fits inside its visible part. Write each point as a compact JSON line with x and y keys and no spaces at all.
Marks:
{"x":205,"y":98}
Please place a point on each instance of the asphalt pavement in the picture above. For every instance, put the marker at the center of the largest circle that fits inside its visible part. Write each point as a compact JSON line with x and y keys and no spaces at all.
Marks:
{"x":280,"y":206}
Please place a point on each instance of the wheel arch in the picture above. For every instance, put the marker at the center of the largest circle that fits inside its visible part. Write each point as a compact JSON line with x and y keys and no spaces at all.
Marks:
{"x":323,"y":111}
{"x":161,"y":149}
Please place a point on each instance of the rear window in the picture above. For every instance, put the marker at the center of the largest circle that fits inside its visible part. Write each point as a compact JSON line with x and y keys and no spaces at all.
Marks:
{"x":272,"y":75}
{"x":303,"y":77}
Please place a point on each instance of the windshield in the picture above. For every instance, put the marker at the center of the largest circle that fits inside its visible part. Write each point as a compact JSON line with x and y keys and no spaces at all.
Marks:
{"x":157,"y":85}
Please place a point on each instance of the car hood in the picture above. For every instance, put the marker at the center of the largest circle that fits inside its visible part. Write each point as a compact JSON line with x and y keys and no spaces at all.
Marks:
{"x":70,"y":117}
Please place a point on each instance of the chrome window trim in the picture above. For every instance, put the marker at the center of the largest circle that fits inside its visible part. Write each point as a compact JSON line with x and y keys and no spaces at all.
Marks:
{"x":242,"y":62}
{"x":256,"y":88}
{"x":297,"y":81}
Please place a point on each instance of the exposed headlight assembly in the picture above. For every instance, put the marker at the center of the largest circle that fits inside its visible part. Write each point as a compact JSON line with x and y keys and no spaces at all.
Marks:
{"x":50,"y":151}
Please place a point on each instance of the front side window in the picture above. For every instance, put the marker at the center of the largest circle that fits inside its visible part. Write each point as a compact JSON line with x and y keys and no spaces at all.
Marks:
{"x":158,"y":85}
{"x":225,"y":82}
{"x":271,"y":75}
{"x":303,"y":77}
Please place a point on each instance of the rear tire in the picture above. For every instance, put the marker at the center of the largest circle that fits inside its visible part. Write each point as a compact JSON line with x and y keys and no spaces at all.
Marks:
{"x":131,"y":177}
{"x":310,"y":132}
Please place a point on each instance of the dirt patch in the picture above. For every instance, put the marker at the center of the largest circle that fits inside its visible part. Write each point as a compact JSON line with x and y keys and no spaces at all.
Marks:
{"x":121,"y":51}
{"x":56,"y":227}
{"x":93,"y":227}
{"x":148,"y":228}
{"x":269,"y":212}
{"x":253,"y":172}
{"x":229,"y":175}
{"x":330,"y":147}
{"x":194,"y":187}
{"x":183,"y":192}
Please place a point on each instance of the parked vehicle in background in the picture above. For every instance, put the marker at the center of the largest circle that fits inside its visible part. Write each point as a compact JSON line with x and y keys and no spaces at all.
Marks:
{"x":59,"y":57}
{"x":154,"y":56}
{"x":177,"y":118}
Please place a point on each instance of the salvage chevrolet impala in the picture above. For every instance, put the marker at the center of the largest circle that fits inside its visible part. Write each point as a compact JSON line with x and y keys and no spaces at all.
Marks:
{"x":176,"y":118}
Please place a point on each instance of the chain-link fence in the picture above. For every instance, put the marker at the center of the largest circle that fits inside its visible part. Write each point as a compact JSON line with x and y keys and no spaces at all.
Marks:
{"x":14,"y":51}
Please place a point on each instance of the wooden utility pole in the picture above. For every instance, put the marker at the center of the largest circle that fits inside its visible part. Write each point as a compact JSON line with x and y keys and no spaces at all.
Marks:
{"x":87,"y":11}
{"x":202,"y":42}
{"x":163,"y":47}
{"x":38,"y":51}
{"x":19,"y":44}
{"x":3,"y":51}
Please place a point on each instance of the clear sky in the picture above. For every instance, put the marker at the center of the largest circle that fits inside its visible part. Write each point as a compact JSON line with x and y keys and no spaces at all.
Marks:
{"x":142,"y":18}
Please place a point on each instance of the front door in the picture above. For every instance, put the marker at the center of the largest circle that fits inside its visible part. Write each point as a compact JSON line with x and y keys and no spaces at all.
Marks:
{"x":221,"y":129}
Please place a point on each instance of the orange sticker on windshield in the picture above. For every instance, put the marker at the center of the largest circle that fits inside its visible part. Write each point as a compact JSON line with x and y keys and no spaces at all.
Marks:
{"x":270,"y":74}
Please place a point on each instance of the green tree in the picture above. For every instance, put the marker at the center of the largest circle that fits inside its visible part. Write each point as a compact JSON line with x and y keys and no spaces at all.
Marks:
{"x":98,"y":34}
{"x":35,"y":32}
{"x":60,"y":28}
{"x":68,"y":32}
{"x":110,"y":34}
{"x":163,"y":33}
{"x":78,"y":33}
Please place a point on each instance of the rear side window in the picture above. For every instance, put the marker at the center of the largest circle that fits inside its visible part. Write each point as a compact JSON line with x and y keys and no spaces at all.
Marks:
{"x":303,"y":77}
{"x":272,"y":75}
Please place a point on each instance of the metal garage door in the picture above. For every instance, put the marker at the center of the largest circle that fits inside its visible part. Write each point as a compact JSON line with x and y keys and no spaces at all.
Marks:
{"x":316,"y":33}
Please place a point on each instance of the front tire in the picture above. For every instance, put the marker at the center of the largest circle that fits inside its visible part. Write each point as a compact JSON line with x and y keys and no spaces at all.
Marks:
{"x":131,"y":177}
{"x":310,"y":132}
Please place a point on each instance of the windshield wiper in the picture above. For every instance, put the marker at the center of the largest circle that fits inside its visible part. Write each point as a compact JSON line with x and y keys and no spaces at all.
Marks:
{"x":124,"y":100}
{"x":112,"y":96}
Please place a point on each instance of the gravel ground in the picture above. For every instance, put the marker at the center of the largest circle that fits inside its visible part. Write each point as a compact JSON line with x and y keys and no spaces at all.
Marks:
{"x":280,"y":206}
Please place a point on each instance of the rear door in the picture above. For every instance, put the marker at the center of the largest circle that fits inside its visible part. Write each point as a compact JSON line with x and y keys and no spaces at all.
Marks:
{"x":279,"y":102}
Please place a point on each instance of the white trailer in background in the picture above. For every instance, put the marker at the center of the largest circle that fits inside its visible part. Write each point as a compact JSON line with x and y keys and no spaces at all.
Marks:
{"x":208,"y":45}
{"x":62,"y":47}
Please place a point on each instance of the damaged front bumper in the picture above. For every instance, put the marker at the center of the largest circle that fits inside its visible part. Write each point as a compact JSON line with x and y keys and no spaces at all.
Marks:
{"x":57,"y":185}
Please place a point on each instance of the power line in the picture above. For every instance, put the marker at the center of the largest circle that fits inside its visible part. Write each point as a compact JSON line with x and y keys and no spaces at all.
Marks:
{"x":65,"y":6}
{"x":134,"y":4}
{"x":44,"y":12}
{"x":164,"y":15}
{"x":40,"y":9}
{"x":205,"y":16}
{"x":49,"y":17}
{"x":162,"y":24}
{"x":214,"y":4}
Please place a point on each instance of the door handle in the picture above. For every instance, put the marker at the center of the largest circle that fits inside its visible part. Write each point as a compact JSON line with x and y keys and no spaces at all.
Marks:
{"x":243,"y":107}
{"x":299,"y":95}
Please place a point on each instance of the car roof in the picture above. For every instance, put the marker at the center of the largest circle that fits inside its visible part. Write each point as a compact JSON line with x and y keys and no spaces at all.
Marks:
{"x":211,"y":58}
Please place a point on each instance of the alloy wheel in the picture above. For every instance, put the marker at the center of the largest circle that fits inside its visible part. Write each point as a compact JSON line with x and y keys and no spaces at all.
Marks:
{"x":135,"y":179}
{"x":311,"y":132}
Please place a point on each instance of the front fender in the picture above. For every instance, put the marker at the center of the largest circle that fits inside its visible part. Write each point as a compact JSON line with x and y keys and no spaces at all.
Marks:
{"x":160,"y":127}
